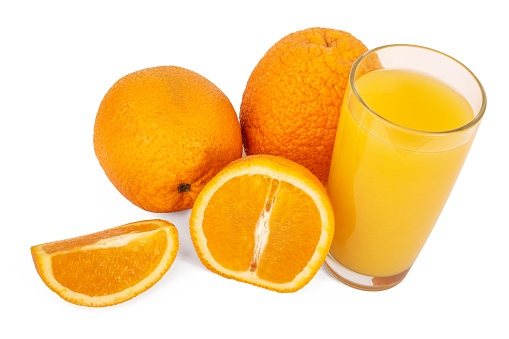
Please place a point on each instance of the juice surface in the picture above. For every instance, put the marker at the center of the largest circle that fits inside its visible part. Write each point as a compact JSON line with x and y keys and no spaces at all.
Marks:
{"x":414,"y":100}
{"x":387,"y":196}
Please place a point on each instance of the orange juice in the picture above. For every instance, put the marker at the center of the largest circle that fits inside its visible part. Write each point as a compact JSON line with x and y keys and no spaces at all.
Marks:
{"x":388,"y":180}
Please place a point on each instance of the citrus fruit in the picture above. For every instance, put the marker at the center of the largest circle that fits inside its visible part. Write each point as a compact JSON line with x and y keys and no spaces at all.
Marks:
{"x":293,"y":97}
{"x":263,"y":220}
{"x":162,"y":133}
{"x":108,"y":267}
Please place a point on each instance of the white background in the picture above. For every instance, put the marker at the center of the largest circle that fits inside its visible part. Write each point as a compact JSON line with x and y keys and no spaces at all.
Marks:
{"x":58,"y":59}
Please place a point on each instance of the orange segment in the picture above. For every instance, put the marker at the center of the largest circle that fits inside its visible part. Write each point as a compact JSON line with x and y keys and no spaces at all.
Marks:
{"x":264,"y":220}
{"x":295,"y":228}
{"x":233,"y":246}
{"x":108,"y":267}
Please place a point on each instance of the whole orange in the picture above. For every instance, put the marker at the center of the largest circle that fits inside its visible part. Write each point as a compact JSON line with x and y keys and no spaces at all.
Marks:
{"x":162,"y":133}
{"x":293,"y":97}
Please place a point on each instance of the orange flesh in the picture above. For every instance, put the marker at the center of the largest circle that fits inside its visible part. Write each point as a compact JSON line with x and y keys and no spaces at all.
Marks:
{"x":122,"y":267}
{"x":293,"y":225}
{"x":295,"y":229}
{"x":229,"y":225}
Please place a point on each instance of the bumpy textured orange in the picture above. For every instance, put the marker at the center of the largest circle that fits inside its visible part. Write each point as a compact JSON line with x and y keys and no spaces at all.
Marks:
{"x":162,"y":133}
{"x":108,"y":267}
{"x":292,"y":100}
{"x":264,"y":220}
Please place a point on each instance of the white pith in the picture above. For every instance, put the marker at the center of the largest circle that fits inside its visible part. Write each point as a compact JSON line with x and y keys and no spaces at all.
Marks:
{"x":262,"y":229}
{"x":117,"y":241}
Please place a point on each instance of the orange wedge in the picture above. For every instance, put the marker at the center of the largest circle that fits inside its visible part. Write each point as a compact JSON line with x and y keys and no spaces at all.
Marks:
{"x":108,"y":267}
{"x":263,"y":220}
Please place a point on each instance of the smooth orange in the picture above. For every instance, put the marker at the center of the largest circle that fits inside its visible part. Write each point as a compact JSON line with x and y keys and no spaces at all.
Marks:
{"x":263,"y":220}
{"x":292,"y":100}
{"x":162,"y":133}
{"x":108,"y":267}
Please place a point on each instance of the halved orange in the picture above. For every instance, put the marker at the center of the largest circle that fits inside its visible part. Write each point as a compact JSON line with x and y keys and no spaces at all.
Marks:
{"x":263,"y":220}
{"x":108,"y":267}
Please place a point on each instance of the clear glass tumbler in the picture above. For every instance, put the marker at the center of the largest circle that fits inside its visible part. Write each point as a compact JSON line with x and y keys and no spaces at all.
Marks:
{"x":390,"y":180}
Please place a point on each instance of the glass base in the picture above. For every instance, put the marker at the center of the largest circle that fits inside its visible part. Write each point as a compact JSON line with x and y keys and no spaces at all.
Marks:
{"x":361,"y":281}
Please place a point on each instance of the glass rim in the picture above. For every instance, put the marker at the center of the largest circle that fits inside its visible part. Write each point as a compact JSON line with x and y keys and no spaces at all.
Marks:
{"x":470,"y":124}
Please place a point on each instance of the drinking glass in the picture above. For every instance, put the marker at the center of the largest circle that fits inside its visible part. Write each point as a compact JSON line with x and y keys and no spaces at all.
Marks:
{"x":388,"y":183}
